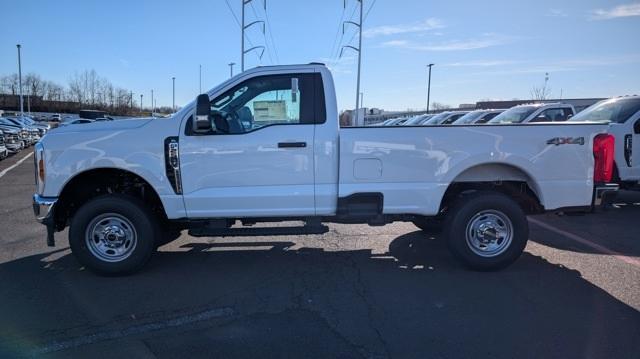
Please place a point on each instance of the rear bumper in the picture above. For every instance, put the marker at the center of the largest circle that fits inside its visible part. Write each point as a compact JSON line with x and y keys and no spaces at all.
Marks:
{"x":603,"y":193}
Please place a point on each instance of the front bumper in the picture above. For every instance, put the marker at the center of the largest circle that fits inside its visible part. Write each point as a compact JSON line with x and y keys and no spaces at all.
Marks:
{"x":13,"y":147}
{"x":43,"y":208}
{"x":603,"y":193}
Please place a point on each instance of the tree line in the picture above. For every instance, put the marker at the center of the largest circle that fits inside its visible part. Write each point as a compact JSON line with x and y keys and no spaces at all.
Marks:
{"x":86,"y":89}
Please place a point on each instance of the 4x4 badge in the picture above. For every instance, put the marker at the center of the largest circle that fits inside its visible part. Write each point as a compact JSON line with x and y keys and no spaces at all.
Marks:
{"x":566,"y":141}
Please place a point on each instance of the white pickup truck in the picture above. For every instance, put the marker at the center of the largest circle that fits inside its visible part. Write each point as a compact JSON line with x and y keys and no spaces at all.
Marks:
{"x":266,"y":146}
{"x":623,"y":116}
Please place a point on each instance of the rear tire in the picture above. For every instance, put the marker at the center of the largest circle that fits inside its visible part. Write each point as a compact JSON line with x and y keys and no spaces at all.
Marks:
{"x":486,"y":230}
{"x":113,"y":234}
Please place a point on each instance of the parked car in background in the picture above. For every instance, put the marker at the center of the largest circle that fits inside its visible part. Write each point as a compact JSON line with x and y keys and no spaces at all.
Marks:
{"x":30,"y":122}
{"x":76,"y":121}
{"x":56,"y":118}
{"x":445,"y":118}
{"x":33,"y":133}
{"x":623,"y":116}
{"x":395,"y":121}
{"x":417,"y":120}
{"x":477,"y":117}
{"x":92,"y":114}
{"x":12,"y":138}
{"x":25,"y":135}
{"x":539,"y":112}
{"x":4,"y":152}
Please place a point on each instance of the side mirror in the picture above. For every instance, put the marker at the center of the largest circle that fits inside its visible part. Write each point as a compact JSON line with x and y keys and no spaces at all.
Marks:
{"x":201,"y":122}
{"x":636,"y":127}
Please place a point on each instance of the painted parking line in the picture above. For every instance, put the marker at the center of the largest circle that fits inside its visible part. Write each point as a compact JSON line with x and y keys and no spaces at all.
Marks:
{"x":15,"y":165}
{"x":600,"y":248}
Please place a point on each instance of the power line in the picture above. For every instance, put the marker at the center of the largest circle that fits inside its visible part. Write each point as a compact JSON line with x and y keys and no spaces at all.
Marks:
{"x":255,"y":13}
{"x":233,"y":13}
{"x":370,"y":7}
{"x":335,"y":38}
{"x":275,"y":48}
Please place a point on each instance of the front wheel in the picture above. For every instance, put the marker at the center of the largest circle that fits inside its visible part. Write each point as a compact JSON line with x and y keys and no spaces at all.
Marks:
{"x":113,"y":234}
{"x":486,"y":230}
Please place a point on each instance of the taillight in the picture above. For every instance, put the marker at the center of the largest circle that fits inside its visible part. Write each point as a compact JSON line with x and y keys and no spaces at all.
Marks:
{"x":603,"y":152}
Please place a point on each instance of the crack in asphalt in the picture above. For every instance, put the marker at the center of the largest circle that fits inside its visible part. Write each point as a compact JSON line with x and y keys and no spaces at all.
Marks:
{"x":137,"y":329}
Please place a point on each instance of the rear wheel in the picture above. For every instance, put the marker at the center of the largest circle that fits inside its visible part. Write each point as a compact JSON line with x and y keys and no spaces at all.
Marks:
{"x":486,"y":230}
{"x":113,"y":234}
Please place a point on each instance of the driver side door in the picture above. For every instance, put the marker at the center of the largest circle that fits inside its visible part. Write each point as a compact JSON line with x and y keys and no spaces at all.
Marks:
{"x":258,"y":161}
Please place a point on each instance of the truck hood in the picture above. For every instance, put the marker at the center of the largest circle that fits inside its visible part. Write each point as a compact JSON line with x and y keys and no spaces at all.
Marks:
{"x":116,"y":125}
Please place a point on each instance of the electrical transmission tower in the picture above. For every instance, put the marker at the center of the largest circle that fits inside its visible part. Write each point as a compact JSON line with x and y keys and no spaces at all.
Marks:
{"x":244,"y":27}
{"x":357,"y":49}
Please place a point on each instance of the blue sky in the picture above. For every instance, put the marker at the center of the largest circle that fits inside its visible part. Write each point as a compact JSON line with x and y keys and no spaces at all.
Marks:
{"x":482,"y":49}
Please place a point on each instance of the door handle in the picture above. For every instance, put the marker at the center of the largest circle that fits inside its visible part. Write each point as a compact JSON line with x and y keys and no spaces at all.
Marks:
{"x":292,"y":144}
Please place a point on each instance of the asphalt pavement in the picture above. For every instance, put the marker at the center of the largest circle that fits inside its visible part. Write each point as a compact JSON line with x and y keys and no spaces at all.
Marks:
{"x":354,"y":291}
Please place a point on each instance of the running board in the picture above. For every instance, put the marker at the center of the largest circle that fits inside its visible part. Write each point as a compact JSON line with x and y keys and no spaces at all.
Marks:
{"x":258,"y":231}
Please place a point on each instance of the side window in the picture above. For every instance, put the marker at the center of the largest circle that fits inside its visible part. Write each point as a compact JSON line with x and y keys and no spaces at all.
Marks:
{"x":568,"y":113}
{"x":488,"y":117}
{"x":553,"y":114}
{"x":269,"y":100}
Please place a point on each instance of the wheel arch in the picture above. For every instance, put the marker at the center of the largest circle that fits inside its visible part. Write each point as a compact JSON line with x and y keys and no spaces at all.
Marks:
{"x":99,"y":181}
{"x":509,"y":179}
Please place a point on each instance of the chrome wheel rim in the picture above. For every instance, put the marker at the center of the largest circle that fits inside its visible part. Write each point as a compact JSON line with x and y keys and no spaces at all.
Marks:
{"x":489,"y":233}
{"x":111,"y":237}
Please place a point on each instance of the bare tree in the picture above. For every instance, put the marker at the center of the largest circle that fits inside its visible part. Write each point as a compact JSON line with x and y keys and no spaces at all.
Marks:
{"x":540,"y":93}
{"x":439,"y":106}
{"x":33,"y":84}
{"x":9,"y":84}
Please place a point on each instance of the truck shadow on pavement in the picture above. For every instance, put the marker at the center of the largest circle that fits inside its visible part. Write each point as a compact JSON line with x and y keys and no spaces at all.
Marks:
{"x":615,"y":228}
{"x":289,"y":299}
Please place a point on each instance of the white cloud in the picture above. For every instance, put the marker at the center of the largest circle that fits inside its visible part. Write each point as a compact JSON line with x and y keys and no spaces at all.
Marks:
{"x":424,"y":26}
{"x":565,"y":65}
{"x":487,"y":40}
{"x":341,"y":65}
{"x":556,"y":13}
{"x":481,"y":63}
{"x":616,"y":12}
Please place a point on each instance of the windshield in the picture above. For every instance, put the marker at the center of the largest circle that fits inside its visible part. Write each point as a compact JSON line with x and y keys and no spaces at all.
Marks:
{"x":469,"y":118}
{"x":617,"y":110}
{"x":514,"y":115}
{"x":415,"y":120}
{"x":437,"y":119}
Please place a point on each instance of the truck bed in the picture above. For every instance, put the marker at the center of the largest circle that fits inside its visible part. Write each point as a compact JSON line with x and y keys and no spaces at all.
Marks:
{"x":413,"y":166}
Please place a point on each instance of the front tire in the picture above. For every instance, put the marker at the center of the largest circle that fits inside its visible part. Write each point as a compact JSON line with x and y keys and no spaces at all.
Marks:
{"x":486,"y":230}
{"x":113,"y":234}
